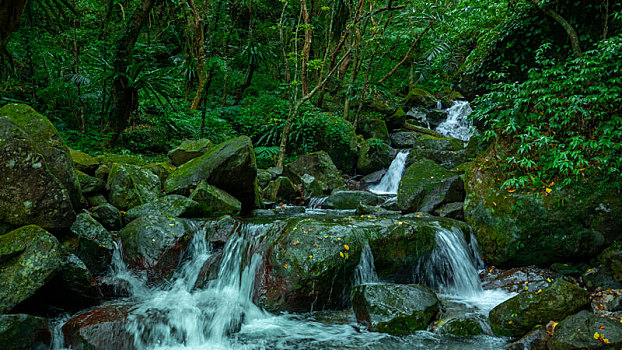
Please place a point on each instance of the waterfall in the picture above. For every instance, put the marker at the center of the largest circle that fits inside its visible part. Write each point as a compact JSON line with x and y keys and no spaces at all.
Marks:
{"x":365,"y":271}
{"x":316,"y":202}
{"x":390,"y":182}
{"x":457,"y":124}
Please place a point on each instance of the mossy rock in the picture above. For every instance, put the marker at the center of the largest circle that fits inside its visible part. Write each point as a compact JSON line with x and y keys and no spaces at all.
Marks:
{"x":426,"y":185}
{"x":24,"y":332}
{"x":320,"y":166}
{"x":372,"y":127}
{"x":110,"y":159}
{"x":374,"y":155}
{"x":29,"y":257}
{"x":90,"y":184}
{"x":396,"y":120}
{"x":403,"y":139}
{"x":281,"y":190}
{"x":131,"y":186}
{"x":396,"y":309}
{"x":586,"y":331}
{"x":101,"y":328}
{"x":189,"y":149}
{"x":162,"y":170}
{"x":230,"y":166}
{"x":350,"y":199}
{"x":171,"y":205}
{"x":519,"y":314}
{"x":463,"y":326}
{"x":92,"y":243}
{"x":214,"y":201}
{"x":84,"y":162}
{"x":419,"y":98}
{"x":264,"y":177}
{"x":108,"y":216}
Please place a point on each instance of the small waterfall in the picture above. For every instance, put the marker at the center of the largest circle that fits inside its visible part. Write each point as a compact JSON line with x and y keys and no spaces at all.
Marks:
{"x":451,"y":267}
{"x":457,"y":124}
{"x":316,"y":202}
{"x":439,"y":104}
{"x":366,"y":271}
{"x":390,"y":182}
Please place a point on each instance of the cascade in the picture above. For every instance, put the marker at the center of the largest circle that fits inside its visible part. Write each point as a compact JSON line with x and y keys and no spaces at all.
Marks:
{"x":457,"y":124}
{"x":390,"y":182}
{"x":365,"y":271}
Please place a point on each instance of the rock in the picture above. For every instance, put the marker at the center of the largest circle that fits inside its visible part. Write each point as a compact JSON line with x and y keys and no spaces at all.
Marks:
{"x":89,"y":184}
{"x":374,"y":155}
{"x":29,"y":258}
{"x":597,"y":277}
{"x":448,"y":152}
{"x":275,"y":171}
{"x":611,"y":261}
{"x":451,"y":210}
{"x":214,"y":201}
{"x":219,"y":231}
{"x":373,"y":178}
{"x":96,"y":199}
{"x":350,"y":199}
{"x":38,"y":183}
{"x":420,"y":98}
{"x":263,"y":178}
{"x":318,"y":165}
{"x":586,"y":330}
{"x":517,"y":229}
{"x":464,"y":326}
{"x":372,"y":127}
{"x":426,"y":185}
{"x":281,"y":190}
{"x":569,"y":269}
{"x":24,"y":332}
{"x":111,"y":159}
{"x":102,"y":172}
{"x":435,"y":117}
{"x":520,"y":279}
{"x":171,"y":205}
{"x":422,"y":130}
{"x":83,"y":162}
{"x":363,"y":209}
{"x":131,"y":186}
{"x":311,"y":187}
{"x":230,"y":166}
{"x":396,"y":120}
{"x":154,"y":244}
{"x":108,"y":216}
{"x":92,"y":243}
{"x":209,"y":270}
{"x":161,"y":170}
{"x":188,"y":150}
{"x":519,"y":314}
{"x":462,"y":168}
{"x":403,"y":139}
{"x":396,"y":309}
{"x":536,"y":339}
{"x":103,"y":328}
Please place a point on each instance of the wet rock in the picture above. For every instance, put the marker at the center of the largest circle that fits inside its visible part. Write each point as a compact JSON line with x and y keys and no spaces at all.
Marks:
{"x":263,"y":178}
{"x":373,"y":127}
{"x":519,"y":279}
{"x":463,"y":326}
{"x":108,"y":216}
{"x":426,"y":185}
{"x":230,"y":166}
{"x":420,"y":98}
{"x":374,"y":155}
{"x":154,"y":244}
{"x":569,"y":269}
{"x":171,"y":205}
{"x":363,"y":209}
{"x":83,"y":162}
{"x":320,"y":166}
{"x":89,"y":184}
{"x":598,"y":277}
{"x":131,"y":186}
{"x":536,"y":339}
{"x":396,"y":119}
{"x":218,"y":231}
{"x":96,"y":200}
{"x":38,"y":183}
{"x":24,"y":332}
{"x":281,"y":190}
{"x":397,"y":309}
{"x":188,"y":150}
{"x":311,"y":187}
{"x":435,"y":117}
{"x":451,"y":210}
{"x":350,"y":199}
{"x":103,"y":328}
{"x":373,"y":178}
{"x":29,"y":257}
{"x":403,"y":139}
{"x":518,"y":315}
{"x":215,"y":202}
{"x":161,"y":170}
{"x":446,"y":151}
{"x":92,"y":243}
{"x":586,"y":330}
{"x":209,"y":270}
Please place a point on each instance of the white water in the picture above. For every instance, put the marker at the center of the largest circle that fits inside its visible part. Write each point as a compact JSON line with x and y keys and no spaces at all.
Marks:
{"x":366,"y":271}
{"x":457,"y":124}
{"x":390,"y":182}
{"x":316,"y":202}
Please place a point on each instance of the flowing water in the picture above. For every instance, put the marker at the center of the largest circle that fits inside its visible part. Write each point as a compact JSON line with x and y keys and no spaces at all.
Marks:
{"x":457,"y":124}
{"x":390,"y":182}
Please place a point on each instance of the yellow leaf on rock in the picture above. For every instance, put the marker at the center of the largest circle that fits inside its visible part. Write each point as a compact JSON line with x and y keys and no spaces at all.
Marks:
{"x":346,"y":246}
{"x":341,"y":255}
{"x":548,"y":190}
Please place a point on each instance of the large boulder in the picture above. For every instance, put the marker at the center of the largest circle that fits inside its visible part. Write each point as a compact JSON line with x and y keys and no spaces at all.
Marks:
{"x":446,"y":151}
{"x":397,"y":309}
{"x":555,"y":224}
{"x":89,"y":184}
{"x":103,"y":328}
{"x":420,"y":98}
{"x":84,"y":162}
{"x":374,"y":155}
{"x":373,"y":127}
{"x":38,"y":183}
{"x":320,"y":166}
{"x":350,"y":199}
{"x":403,"y":139}
{"x":108,"y":216}
{"x":131,"y":186}
{"x":282,"y":189}
{"x":29,"y":257}
{"x":230,"y":166}
{"x":171,"y":205}
{"x":586,"y":331}
{"x":92,"y":243}
{"x":215,"y":202}
{"x":396,"y":119}
{"x":188,"y":150}
{"x":426,"y":185}
{"x":154,"y":244}
{"x":24,"y":332}
{"x":519,"y":314}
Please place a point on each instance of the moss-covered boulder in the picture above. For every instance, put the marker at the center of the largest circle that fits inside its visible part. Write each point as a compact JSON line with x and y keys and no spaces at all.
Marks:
{"x":29,"y":257}
{"x":38,"y":183}
{"x":350,"y":199}
{"x":91,"y":242}
{"x":426,"y":185}
{"x":320,"y":166}
{"x":397,"y":309}
{"x":282,"y":190}
{"x":419,"y":98}
{"x":515,"y":228}
{"x":403,"y":139}
{"x":396,"y":119}
{"x":171,"y":205}
{"x":230,"y":166}
{"x":519,"y":314}
{"x":536,"y":339}
{"x":463,"y":326}
{"x":102,"y":328}
{"x":446,"y":151}
{"x":131,"y":186}
{"x":372,"y":127}
{"x":264,"y":177}
{"x":189,"y":149}
{"x":24,"y":332}
{"x":109,"y":216}
{"x":110,"y":159}
{"x":162,"y":170}
{"x":586,"y":331}
{"x":84,"y":162}
{"x":215,"y":202}
{"x":96,"y":199}
{"x":374,"y":155}
{"x":89,"y":184}
{"x":154,"y":244}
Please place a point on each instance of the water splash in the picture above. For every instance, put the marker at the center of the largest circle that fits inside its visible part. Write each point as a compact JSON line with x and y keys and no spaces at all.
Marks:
{"x":366,"y":271}
{"x":390,"y":182}
{"x":457,"y":124}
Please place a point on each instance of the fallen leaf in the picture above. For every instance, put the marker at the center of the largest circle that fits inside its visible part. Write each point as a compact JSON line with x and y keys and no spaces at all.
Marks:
{"x":346,"y":247}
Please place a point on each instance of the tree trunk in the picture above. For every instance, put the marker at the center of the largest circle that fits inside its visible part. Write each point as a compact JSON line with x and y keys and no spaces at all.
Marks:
{"x":306,"y":49}
{"x":572,"y":33}
{"x":10,"y":13}
{"x":247,"y":82}
{"x":200,"y":54}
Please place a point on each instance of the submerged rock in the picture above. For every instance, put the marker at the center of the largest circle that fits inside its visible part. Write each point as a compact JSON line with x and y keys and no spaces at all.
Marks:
{"x":586,"y":330}
{"x":397,"y":309}
{"x":24,"y":332}
{"x":131,"y":186}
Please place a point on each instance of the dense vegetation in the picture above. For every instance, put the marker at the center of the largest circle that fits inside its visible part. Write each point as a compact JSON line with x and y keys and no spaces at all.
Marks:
{"x":137,"y":76}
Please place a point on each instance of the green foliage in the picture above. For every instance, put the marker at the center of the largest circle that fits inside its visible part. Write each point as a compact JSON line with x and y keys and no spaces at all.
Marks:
{"x":266,"y":156}
{"x":562,"y":124}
